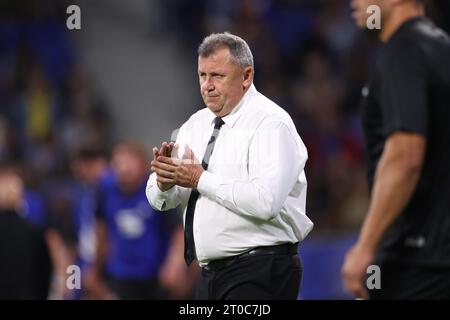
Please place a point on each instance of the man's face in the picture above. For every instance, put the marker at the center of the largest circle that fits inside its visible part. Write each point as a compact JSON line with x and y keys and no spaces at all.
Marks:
{"x":89,"y":170}
{"x":222,"y":82}
{"x":11,"y":191}
{"x":129,"y":168}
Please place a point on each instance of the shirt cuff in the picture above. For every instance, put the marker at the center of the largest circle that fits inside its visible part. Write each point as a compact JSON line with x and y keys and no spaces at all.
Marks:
{"x":158,"y":198}
{"x":208,"y":184}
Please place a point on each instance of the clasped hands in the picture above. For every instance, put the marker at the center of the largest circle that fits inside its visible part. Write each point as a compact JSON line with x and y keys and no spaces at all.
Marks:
{"x":171,"y":170}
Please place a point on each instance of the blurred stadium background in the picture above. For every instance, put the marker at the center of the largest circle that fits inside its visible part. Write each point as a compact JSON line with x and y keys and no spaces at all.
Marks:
{"x":130,"y":73}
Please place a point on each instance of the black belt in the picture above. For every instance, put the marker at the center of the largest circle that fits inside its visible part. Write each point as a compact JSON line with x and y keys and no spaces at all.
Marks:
{"x":285,"y":248}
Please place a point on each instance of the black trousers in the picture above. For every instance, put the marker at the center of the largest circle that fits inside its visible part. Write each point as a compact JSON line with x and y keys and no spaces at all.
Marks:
{"x":401,"y":281}
{"x":258,"y":277}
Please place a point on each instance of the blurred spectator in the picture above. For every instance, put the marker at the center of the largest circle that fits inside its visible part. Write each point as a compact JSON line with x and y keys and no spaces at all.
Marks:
{"x":133,"y":240}
{"x":333,"y":141}
{"x":24,"y":259}
{"x":88,"y":121}
{"x":43,"y":96}
{"x":76,"y":243}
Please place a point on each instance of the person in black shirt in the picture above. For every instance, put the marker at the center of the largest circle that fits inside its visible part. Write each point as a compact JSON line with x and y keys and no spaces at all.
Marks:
{"x":406,"y":120}
{"x":25,"y":267}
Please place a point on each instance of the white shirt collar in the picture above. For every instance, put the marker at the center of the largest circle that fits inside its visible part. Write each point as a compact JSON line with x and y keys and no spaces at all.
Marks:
{"x":231,"y":118}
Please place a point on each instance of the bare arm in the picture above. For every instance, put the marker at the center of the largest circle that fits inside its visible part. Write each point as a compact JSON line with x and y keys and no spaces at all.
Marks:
{"x":61,"y":255}
{"x":102,"y":245}
{"x":94,"y":283}
{"x":395,"y":181}
{"x":174,"y":275}
{"x":396,"y":178}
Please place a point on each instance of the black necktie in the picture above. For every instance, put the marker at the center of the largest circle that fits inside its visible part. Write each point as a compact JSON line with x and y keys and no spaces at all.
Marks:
{"x":189,"y":245}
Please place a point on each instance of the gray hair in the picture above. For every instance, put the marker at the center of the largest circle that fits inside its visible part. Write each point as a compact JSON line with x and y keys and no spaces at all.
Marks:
{"x":239,"y":50}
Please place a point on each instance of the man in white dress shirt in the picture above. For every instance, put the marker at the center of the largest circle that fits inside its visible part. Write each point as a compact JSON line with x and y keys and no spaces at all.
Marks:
{"x":244,"y":203}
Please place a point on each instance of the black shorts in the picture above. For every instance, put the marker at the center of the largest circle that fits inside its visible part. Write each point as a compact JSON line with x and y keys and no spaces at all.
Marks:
{"x":411,"y":282}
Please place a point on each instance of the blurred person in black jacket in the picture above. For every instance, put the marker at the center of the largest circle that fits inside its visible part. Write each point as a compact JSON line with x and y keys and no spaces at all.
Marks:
{"x":25,"y":266}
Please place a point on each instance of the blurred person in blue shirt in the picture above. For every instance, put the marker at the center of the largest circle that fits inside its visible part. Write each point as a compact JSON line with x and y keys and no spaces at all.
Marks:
{"x":88,"y":167}
{"x":33,"y":208}
{"x":70,"y":230}
{"x":133,"y":242}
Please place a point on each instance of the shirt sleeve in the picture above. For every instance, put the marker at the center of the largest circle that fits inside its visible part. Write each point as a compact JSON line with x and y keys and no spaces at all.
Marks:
{"x":404,"y":89}
{"x":162,"y":200}
{"x":275,"y":163}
